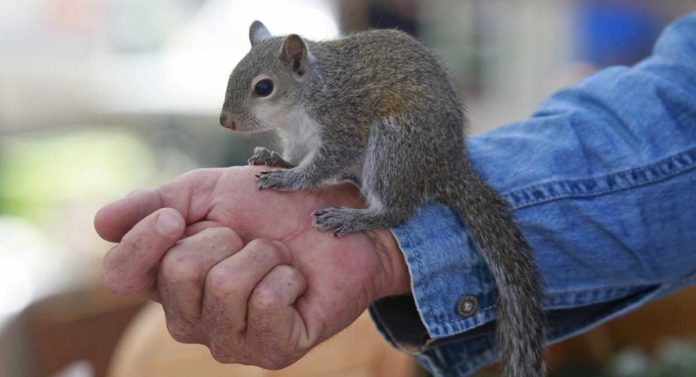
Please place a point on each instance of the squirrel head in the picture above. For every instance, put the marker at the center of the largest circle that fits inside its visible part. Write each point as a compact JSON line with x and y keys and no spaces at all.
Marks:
{"x":267,"y":83}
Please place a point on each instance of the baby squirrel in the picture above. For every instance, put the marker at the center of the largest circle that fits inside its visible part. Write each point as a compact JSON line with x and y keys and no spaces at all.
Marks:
{"x":377,"y":107}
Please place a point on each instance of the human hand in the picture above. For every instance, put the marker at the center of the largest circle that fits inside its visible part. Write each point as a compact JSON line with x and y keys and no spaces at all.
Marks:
{"x":201,"y":246}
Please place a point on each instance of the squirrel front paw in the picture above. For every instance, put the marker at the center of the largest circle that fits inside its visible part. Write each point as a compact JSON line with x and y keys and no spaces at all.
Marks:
{"x":263,"y":156}
{"x":284,"y":180}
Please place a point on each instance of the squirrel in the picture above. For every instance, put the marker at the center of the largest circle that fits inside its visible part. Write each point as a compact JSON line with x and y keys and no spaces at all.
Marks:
{"x":376,"y":107}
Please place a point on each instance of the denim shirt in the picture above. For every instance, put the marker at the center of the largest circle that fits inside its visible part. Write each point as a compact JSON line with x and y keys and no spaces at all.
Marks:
{"x":602,"y":182}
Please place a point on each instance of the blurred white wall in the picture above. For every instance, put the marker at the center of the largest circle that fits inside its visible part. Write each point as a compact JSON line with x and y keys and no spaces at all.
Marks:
{"x":71,"y":61}
{"x":520,"y":46}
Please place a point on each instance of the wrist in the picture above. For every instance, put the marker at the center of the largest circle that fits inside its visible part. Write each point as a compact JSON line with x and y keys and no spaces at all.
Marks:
{"x":395,"y":279}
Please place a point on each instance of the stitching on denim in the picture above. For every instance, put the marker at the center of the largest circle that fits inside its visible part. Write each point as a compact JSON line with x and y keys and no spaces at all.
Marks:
{"x":423,"y":308}
{"x":658,"y":172}
{"x":476,"y":360}
{"x":691,"y":279}
{"x":578,"y":298}
{"x":596,"y":320}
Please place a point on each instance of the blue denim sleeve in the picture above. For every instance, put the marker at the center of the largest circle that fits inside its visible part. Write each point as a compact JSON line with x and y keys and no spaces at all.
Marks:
{"x":602,"y":182}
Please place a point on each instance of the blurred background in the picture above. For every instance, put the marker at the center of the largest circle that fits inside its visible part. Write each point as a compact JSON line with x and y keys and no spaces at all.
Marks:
{"x":98,"y":97}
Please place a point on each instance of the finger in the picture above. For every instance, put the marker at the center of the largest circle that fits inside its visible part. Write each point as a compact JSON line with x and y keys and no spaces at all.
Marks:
{"x":228,"y":286}
{"x":130,"y":266}
{"x":197,"y":227}
{"x":113,"y":221}
{"x":275,"y":329}
{"x":182,"y":275}
{"x":188,"y":194}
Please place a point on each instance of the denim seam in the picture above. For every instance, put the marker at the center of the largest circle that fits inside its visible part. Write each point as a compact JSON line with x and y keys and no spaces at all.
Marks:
{"x":438,"y":326}
{"x":456,"y":325}
{"x":622,"y":180}
{"x":682,"y":282}
{"x":572,"y":299}
{"x":474,"y":363}
{"x":649,"y":295}
{"x":423,"y":308}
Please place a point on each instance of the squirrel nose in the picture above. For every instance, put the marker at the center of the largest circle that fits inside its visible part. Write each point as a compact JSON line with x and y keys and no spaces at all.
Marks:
{"x":227,"y":121}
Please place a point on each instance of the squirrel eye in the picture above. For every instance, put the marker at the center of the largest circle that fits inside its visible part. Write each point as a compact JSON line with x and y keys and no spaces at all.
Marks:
{"x":263,"y":88}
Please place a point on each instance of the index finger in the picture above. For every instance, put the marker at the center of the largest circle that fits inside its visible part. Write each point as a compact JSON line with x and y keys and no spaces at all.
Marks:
{"x":131,"y":266}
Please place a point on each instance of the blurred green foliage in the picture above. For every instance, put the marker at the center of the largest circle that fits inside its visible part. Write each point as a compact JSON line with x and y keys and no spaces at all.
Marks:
{"x":38,"y":173}
{"x":673,"y":359}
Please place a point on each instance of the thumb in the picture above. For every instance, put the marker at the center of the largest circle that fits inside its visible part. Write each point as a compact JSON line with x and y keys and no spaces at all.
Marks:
{"x":115,"y":219}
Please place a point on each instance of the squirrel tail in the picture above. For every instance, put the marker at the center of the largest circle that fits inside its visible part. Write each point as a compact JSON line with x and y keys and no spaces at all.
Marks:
{"x":520,"y":318}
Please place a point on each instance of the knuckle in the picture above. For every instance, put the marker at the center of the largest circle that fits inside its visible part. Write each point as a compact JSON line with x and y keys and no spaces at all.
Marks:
{"x":113,"y":284}
{"x":131,"y":242}
{"x":181,"y":332}
{"x":219,"y":284}
{"x":222,"y":354}
{"x":118,"y":281}
{"x":178,"y":268}
{"x":294,"y":277}
{"x":222,"y":235}
{"x":227,"y":347}
{"x":119,"y":287}
{"x":261,"y":244}
{"x":265,"y":250}
{"x":216,"y":280}
{"x":289,"y":273}
{"x":266,"y":299}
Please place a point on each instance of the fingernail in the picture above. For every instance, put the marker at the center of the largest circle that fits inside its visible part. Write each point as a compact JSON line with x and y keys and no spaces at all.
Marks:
{"x":168,"y":224}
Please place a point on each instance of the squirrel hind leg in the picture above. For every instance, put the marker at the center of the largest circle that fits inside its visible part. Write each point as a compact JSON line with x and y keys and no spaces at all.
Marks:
{"x":347,"y":220}
{"x":381,"y":183}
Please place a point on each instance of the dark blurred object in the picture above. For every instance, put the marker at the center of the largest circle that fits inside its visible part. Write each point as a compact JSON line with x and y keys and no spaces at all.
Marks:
{"x":673,"y":359}
{"x":380,"y":14}
{"x":80,"y":325}
{"x":651,"y":328}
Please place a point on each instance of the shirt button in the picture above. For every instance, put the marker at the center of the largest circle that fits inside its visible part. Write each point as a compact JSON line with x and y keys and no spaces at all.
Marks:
{"x":467,"y":306}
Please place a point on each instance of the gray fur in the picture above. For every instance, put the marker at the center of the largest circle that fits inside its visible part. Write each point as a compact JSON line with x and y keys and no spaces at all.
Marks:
{"x":383,"y":109}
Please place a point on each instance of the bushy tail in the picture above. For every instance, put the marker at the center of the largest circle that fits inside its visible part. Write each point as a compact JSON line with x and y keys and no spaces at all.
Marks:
{"x":520,"y":324}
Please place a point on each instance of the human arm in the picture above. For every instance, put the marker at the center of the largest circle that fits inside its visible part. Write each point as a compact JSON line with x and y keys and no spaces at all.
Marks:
{"x":600,"y":180}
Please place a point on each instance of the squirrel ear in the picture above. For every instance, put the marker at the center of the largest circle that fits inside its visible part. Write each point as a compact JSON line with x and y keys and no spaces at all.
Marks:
{"x":294,"y":52}
{"x":258,"y":32}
